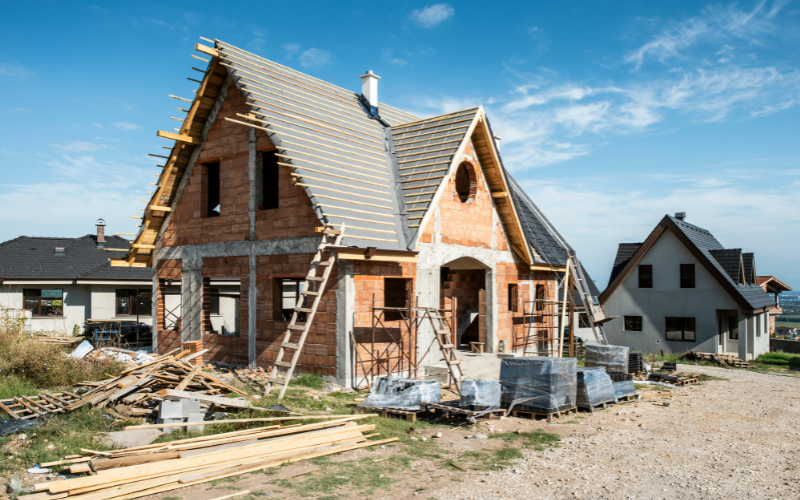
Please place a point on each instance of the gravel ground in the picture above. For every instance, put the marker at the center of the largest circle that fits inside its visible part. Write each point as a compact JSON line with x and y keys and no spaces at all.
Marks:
{"x":738,"y":438}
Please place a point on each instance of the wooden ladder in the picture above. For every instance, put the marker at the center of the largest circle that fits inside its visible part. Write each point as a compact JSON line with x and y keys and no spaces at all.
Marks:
{"x":594,"y":313}
{"x":443,"y":334}
{"x":300,"y":307}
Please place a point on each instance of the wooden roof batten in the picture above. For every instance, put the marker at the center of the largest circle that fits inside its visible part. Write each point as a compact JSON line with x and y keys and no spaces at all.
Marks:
{"x":188,"y":137}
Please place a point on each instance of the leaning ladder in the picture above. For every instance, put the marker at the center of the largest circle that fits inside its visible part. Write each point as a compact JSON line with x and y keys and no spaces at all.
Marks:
{"x":303,"y":329}
{"x":447,"y":345}
{"x":593,"y":311}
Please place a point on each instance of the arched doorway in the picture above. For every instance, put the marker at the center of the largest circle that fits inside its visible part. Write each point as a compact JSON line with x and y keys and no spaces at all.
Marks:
{"x":462,"y":287}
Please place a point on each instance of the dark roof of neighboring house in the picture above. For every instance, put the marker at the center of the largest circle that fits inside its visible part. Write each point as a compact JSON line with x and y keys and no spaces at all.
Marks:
{"x":35,"y":258}
{"x":749,"y":262}
{"x":718,"y":260}
{"x":624,"y":254}
{"x":731,"y":260}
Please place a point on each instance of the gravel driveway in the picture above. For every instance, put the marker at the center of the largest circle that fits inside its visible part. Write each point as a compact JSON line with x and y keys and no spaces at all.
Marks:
{"x":738,"y":438}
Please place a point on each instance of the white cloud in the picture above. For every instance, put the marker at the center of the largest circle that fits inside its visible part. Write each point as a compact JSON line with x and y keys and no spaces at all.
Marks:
{"x":257,"y":43}
{"x":80,"y":146}
{"x":291,"y":49}
{"x":15,"y":70}
{"x":397,"y":61}
{"x":314,"y":57}
{"x":433,"y":15}
{"x":126,"y":126}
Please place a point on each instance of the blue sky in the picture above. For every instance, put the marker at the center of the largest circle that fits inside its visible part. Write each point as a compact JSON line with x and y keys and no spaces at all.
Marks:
{"x":611,"y":114}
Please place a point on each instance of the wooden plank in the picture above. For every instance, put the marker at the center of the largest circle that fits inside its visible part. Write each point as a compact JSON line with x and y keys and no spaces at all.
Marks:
{"x":204,"y":398}
{"x":10,"y":412}
{"x":247,"y":420}
{"x":194,"y":141}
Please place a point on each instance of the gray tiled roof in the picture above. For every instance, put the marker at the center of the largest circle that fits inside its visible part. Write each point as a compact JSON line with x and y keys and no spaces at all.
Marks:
{"x":730,"y":259}
{"x":34,"y":258}
{"x":625,"y":252}
{"x":706,"y":243}
{"x":749,"y":262}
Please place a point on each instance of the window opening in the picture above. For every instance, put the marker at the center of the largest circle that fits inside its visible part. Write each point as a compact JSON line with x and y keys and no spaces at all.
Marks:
{"x":646,"y":276}
{"x":212,"y":190}
{"x":513,"y":298}
{"x":680,"y":329}
{"x":733,"y":328}
{"x":270,"y":176}
{"x":395,"y":294}
{"x":42,"y":302}
{"x":687,"y":275}
{"x":540,"y":297}
{"x":132,"y":302}
{"x":214,"y":302}
{"x":583,"y":320}
{"x":288,"y":292}
{"x":633,"y":323}
{"x":466,"y":185}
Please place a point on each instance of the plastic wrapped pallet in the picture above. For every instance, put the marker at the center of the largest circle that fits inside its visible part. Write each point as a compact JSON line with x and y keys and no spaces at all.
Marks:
{"x":539,"y":384}
{"x":403,"y":393}
{"x":594,"y":387}
{"x":624,"y":388}
{"x":613,"y":357}
{"x":480,"y":395}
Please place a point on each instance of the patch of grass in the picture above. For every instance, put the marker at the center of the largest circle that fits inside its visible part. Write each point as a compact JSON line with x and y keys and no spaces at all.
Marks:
{"x":537,"y":439}
{"x":67,"y":433}
{"x":14,"y":386}
{"x":706,"y":378}
{"x":172,"y":498}
{"x":311,"y":380}
{"x":573,"y":421}
{"x":780,"y":359}
{"x":360,"y":479}
{"x":491,"y":459}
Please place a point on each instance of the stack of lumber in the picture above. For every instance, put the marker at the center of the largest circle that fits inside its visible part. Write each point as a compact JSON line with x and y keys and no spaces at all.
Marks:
{"x":139,"y":389}
{"x":51,"y":339}
{"x":723,"y":360}
{"x":156,"y":468}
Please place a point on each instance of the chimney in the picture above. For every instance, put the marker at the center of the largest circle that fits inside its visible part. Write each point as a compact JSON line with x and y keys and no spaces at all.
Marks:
{"x":369,"y":88}
{"x":101,"y":233}
{"x":680,"y":215}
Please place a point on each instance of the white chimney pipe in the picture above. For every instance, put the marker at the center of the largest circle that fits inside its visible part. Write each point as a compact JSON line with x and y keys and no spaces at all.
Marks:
{"x":369,"y":87}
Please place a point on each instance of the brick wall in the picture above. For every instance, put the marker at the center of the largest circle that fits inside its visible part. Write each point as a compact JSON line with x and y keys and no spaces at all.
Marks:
{"x":388,"y":355}
{"x":466,"y":224}
{"x":513,"y":327}
{"x":319,"y":352}
{"x":232,"y":349}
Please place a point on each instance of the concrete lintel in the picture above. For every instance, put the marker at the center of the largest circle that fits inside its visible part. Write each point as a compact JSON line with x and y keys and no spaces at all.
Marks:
{"x":305,"y":244}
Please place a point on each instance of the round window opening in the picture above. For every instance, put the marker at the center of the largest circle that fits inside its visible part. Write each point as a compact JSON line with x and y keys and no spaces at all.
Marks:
{"x":465,"y":182}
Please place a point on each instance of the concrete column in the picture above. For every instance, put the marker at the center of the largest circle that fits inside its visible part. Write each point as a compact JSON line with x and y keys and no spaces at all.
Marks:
{"x":491,"y":312}
{"x":428,"y":295}
{"x":743,"y":337}
{"x":345,"y":317}
{"x":252,"y":298}
{"x":192,"y":298}
{"x":154,"y":307}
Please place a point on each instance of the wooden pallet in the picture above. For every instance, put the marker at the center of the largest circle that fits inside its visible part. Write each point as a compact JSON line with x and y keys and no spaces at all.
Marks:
{"x":27,"y":407}
{"x":599,"y":406}
{"x":628,"y":398}
{"x":548,"y":416}
{"x":451,"y":408}
{"x":686,"y":381}
{"x":409,"y":415}
{"x":676,"y":380}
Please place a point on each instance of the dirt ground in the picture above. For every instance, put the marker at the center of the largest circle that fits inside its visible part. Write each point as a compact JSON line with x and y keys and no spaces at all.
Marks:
{"x":735,"y":438}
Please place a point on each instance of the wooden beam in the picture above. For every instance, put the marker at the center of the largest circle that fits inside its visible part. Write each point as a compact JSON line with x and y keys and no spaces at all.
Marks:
{"x":206,"y":50}
{"x":499,"y":194}
{"x":157,"y":208}
{"x":194,"y":141}
{"x":142,"y":245}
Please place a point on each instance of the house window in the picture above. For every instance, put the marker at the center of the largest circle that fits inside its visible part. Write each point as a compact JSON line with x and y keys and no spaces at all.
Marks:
{"x":466,"y":185}
{"x":214,"y":302}
{"x":583,"y":320}
{"x":131,"y":302}
{"x":758,"y":326}
{"x":43,"y":302}
{"x":633,"y":323}
{"x":540,"y":297}
{"x":733,"y":328}
{"x":212,"y":206}
{"x":646,"y":276}
{"x":395,"y":294}
{"x":513,"y":298}
{"x":270,"y":175}
{"x":680,"y":329}
{"x":687,"y":275}
{"x":720,"y":330}
{"x":287,"y":294}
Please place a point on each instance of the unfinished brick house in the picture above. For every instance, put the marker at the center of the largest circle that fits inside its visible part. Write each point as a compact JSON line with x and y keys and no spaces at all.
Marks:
{"x":268,"y":157}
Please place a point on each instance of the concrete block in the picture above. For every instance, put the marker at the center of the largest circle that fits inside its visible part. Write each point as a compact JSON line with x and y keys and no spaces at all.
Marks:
{"x":190,"y":406}
{"x":169,"y":430}
{"x":195,"y":417}
{"x":170,"y":409}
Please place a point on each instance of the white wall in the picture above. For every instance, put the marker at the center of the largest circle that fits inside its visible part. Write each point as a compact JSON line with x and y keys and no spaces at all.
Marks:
{"x":228,"y":315}
{"x":667,"y":298}
{"x":77,"y":302}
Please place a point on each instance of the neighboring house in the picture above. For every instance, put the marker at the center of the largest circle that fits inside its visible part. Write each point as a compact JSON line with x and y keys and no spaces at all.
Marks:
{"x":67,"y":281}
{"x":268,"y":157}
{"x":785,"y":330}
{"x":773,"y":285}
{"x":682,"y":290}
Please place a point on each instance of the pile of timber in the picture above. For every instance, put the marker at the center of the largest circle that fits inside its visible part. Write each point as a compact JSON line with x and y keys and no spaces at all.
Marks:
{"x":139,"y":389}
{"x":723,"y":360}
{"x":156,"y":468}
{"x":51,"y":339}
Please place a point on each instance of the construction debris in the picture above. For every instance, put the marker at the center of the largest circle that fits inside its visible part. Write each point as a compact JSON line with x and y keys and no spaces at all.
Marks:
{"x":157,"y":468}
{"x":723,"y":360}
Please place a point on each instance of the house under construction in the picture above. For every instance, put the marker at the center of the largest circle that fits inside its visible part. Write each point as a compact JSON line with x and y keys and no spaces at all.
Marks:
{"x":344,"y":221}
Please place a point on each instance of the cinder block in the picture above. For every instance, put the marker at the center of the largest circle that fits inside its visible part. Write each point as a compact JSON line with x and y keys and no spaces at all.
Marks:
{"x":169,"y":430}
{"x":189,"y":406}
{"x":170,"y":409}
{"x":195,"y":417}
